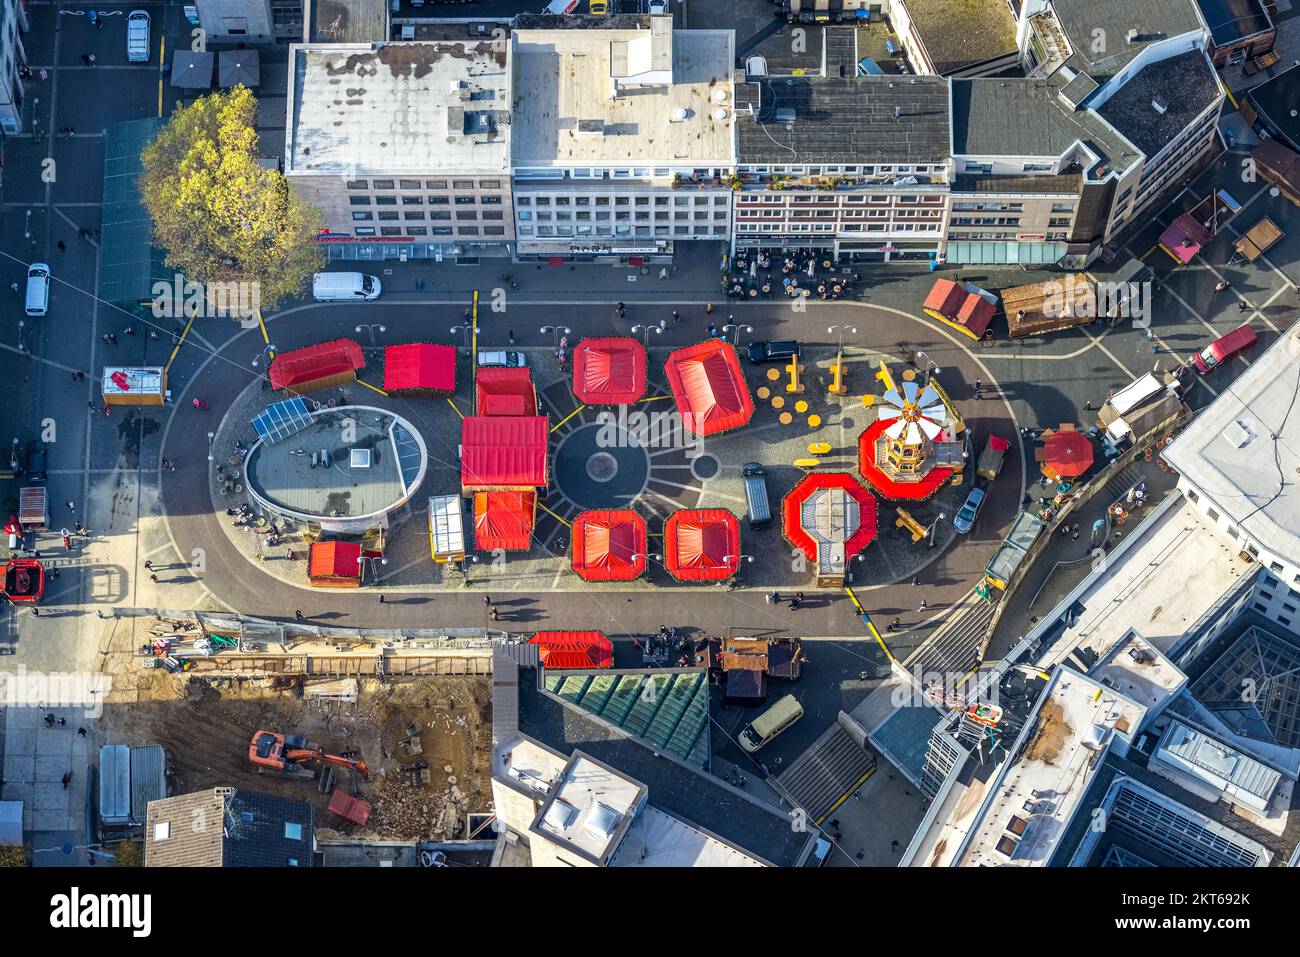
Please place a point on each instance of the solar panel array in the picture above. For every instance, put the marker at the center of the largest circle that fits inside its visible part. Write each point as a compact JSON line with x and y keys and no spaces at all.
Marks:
{"x":281,"y":420}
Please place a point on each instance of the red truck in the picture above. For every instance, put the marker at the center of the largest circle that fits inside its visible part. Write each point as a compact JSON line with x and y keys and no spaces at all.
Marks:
{"x":1221,"y":350}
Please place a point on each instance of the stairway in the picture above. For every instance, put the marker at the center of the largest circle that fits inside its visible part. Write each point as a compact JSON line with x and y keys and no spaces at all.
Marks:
{"x":829,"y":770}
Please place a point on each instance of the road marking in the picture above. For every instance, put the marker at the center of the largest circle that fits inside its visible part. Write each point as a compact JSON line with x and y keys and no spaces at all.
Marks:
{"x":162,"y":60}
{"x":553,"y":515}
{"x":568,"y":417}
{"x":458,"y":411}
{"x":179,"y":342}
{"x":1113,"y":358}
{"x":372,"y":388}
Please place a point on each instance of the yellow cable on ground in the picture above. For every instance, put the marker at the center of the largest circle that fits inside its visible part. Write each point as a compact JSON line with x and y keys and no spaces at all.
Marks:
{"x":553,"y":515}
{"x":372,"y":388}
{"x":568,"y":417}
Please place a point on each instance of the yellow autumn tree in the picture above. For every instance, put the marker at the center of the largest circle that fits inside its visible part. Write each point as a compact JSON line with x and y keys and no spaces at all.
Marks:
{"x":219,"y":215}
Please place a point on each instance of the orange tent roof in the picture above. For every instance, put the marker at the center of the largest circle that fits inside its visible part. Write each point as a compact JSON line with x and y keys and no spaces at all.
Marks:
{"x":702,"y":544}
{"x":609,"y":371}
{"x":504,"y":520}
{"x":806,"y":539}
{"x":709,"y":387}
{"x":609,"y":545}
{"x":574,"y":649}
{"x":334,"y":560}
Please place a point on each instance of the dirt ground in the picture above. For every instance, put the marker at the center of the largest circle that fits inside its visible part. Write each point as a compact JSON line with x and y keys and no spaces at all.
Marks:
{"x":205,"y":725}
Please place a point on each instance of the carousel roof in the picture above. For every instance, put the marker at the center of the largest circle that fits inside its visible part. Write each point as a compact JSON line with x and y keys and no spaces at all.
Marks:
{"x":830,"y":518}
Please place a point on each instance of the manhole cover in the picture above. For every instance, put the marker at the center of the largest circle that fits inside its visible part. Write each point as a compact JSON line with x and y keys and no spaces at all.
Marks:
{"x":602,"y":467}
{"x":704,"y":466}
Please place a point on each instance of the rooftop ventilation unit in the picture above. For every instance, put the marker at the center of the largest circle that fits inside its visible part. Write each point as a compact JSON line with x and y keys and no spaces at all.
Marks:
{"x":359,"y":459}
{"x":1239,"y":433}
{"x":1159,"y":105}
{"x":785,"y":115}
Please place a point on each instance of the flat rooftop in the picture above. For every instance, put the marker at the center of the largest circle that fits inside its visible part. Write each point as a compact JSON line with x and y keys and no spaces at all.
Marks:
{"x":1138,"y":670}
{"x":657,"y":839}
{"x":348,"y":21}
{"x":1039,"y":791}
{"x":1243,"y":451}
{"x":1232,"y":20}
{"x":708,"y":803}
{"x":1184,"y":85}
{"x":1161,"y":586}
{"x":658,"y":96}
{"x":823,"y":119}
{"x":393,"y":108}
{"x":590,"y":806}
{"x":962,"y":33}
{"x":394,"y":457}
{"x":1023,"y":117}
{"x":1153,"y":21}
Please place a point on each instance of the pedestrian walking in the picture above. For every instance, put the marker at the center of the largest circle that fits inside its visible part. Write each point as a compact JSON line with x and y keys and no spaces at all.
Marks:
{"x":380,"y":600}
{"x":923,"y":606}
{"x":67,"y":541}
{"x":713,"y":331}
{"x":676,"y":315}
{"x":63,"y":247}
{"x":794,"y":604}
{"x":896,"y":624}
{"x":1243,"y":306}
{"x":799,"y":596}
{"x":129,"y":330}
{"x":299,"y":615}
{"x":71,"y":505}
{"x":487,"y":601}
{"x":148,"y":565}
{"x":86,"y":58}
{"x":63,"y":722}
{"x":495,"y":615}
{"x":154,"y":579}
{"x":915,"y":581}
{"x":13,"y":288}
{"x":708,"y":308}
{"x":1221,"y":285}
{"x":49,"y":720}
{"x":36,"y":612}
{"x":977,"y":386}
{"x":67,"y":779}
{"x":81,"y":732}
{"x":510,"y":337}
{"x":1087,"y":405}
{"x":79,"y":529}
{"x":288,"y":554}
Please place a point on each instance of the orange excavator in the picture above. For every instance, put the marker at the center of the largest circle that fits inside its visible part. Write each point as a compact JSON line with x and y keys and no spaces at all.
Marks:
{"x":274,"y":753}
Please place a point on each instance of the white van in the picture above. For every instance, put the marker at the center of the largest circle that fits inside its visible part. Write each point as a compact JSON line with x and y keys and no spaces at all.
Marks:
{"x":137,"y":36}
{"x":771,"y":723}
{"x":38,"y":289}
{"x":344,"y":286}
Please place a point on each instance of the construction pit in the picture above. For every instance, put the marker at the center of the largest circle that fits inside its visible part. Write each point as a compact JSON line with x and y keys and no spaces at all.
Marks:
{"x":426,"y":739}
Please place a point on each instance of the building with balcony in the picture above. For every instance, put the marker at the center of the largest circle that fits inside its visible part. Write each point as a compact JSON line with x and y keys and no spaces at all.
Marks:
{"x":853,"y":164}
{"x":13,"y":24}
{"x":622,"y":141}
{"x":415,"y":160}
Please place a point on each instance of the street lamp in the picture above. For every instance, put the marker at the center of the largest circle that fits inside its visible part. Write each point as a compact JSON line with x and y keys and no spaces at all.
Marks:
{"x":211,"y":436}
{"x":559,"y":331}
{"x":928,"y":363}
{"x":27,"y":225}
{"x":650,"y":555}
{"x":658,"y":330}
{"x":371,"y":327}
{"x":361,"y":565}
{"x":464,"y":329}
{"x":929,"y":532}
{"x":731,"y":325}
{"x":832,"y":330}
{"x":269,"y":347}
{"x":739,"y":558}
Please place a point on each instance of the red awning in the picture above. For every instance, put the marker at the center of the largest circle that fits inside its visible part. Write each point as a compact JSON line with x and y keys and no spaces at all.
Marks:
{"x":806,"y":531}
{"x":505,"y":452}
{"x":320,"y":361}
{"x":1066,"y":454}
{"x":609,"y":545}
{"x":1184,"y":238}
{"x":609,"y":371}
{"x":335,"y":560}
{"x":709,"y":387}
{"x":504,"y":520}
{"x":574,"y":649}
{"x":975,"y":314}
{"x":702,"y":544}
{"x":502,"y":392}
{"x":420,"y":366}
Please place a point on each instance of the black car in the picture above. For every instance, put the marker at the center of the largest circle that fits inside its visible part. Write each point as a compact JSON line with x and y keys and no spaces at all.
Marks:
{"x":777,"y":351}
{"x":37,"y":461}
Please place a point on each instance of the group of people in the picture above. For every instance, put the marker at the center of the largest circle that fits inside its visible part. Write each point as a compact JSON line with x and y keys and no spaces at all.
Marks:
{"x":774,"y":598}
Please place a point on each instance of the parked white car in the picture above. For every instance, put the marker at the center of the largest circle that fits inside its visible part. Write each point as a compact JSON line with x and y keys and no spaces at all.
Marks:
{"x":137,"y":36}
{"x":501,"y":357}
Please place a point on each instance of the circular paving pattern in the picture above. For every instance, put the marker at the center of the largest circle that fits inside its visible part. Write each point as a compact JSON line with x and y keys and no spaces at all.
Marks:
{"x":593,"y":475}
{"x":704,"y":467}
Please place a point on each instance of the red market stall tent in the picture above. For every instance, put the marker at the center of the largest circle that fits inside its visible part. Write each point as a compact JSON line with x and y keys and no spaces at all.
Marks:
{"x":702,"y":544}
{"x":609,"y":545}
{"x":609,"y":371}
{"x":709,"y":388}
{"x":317,"y":367}
{"x":504,"y":520}
{"x":420,"y":369}
{"x":507,"y":452}
{"x":505,"y":392}
{"x":574,"y":649}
